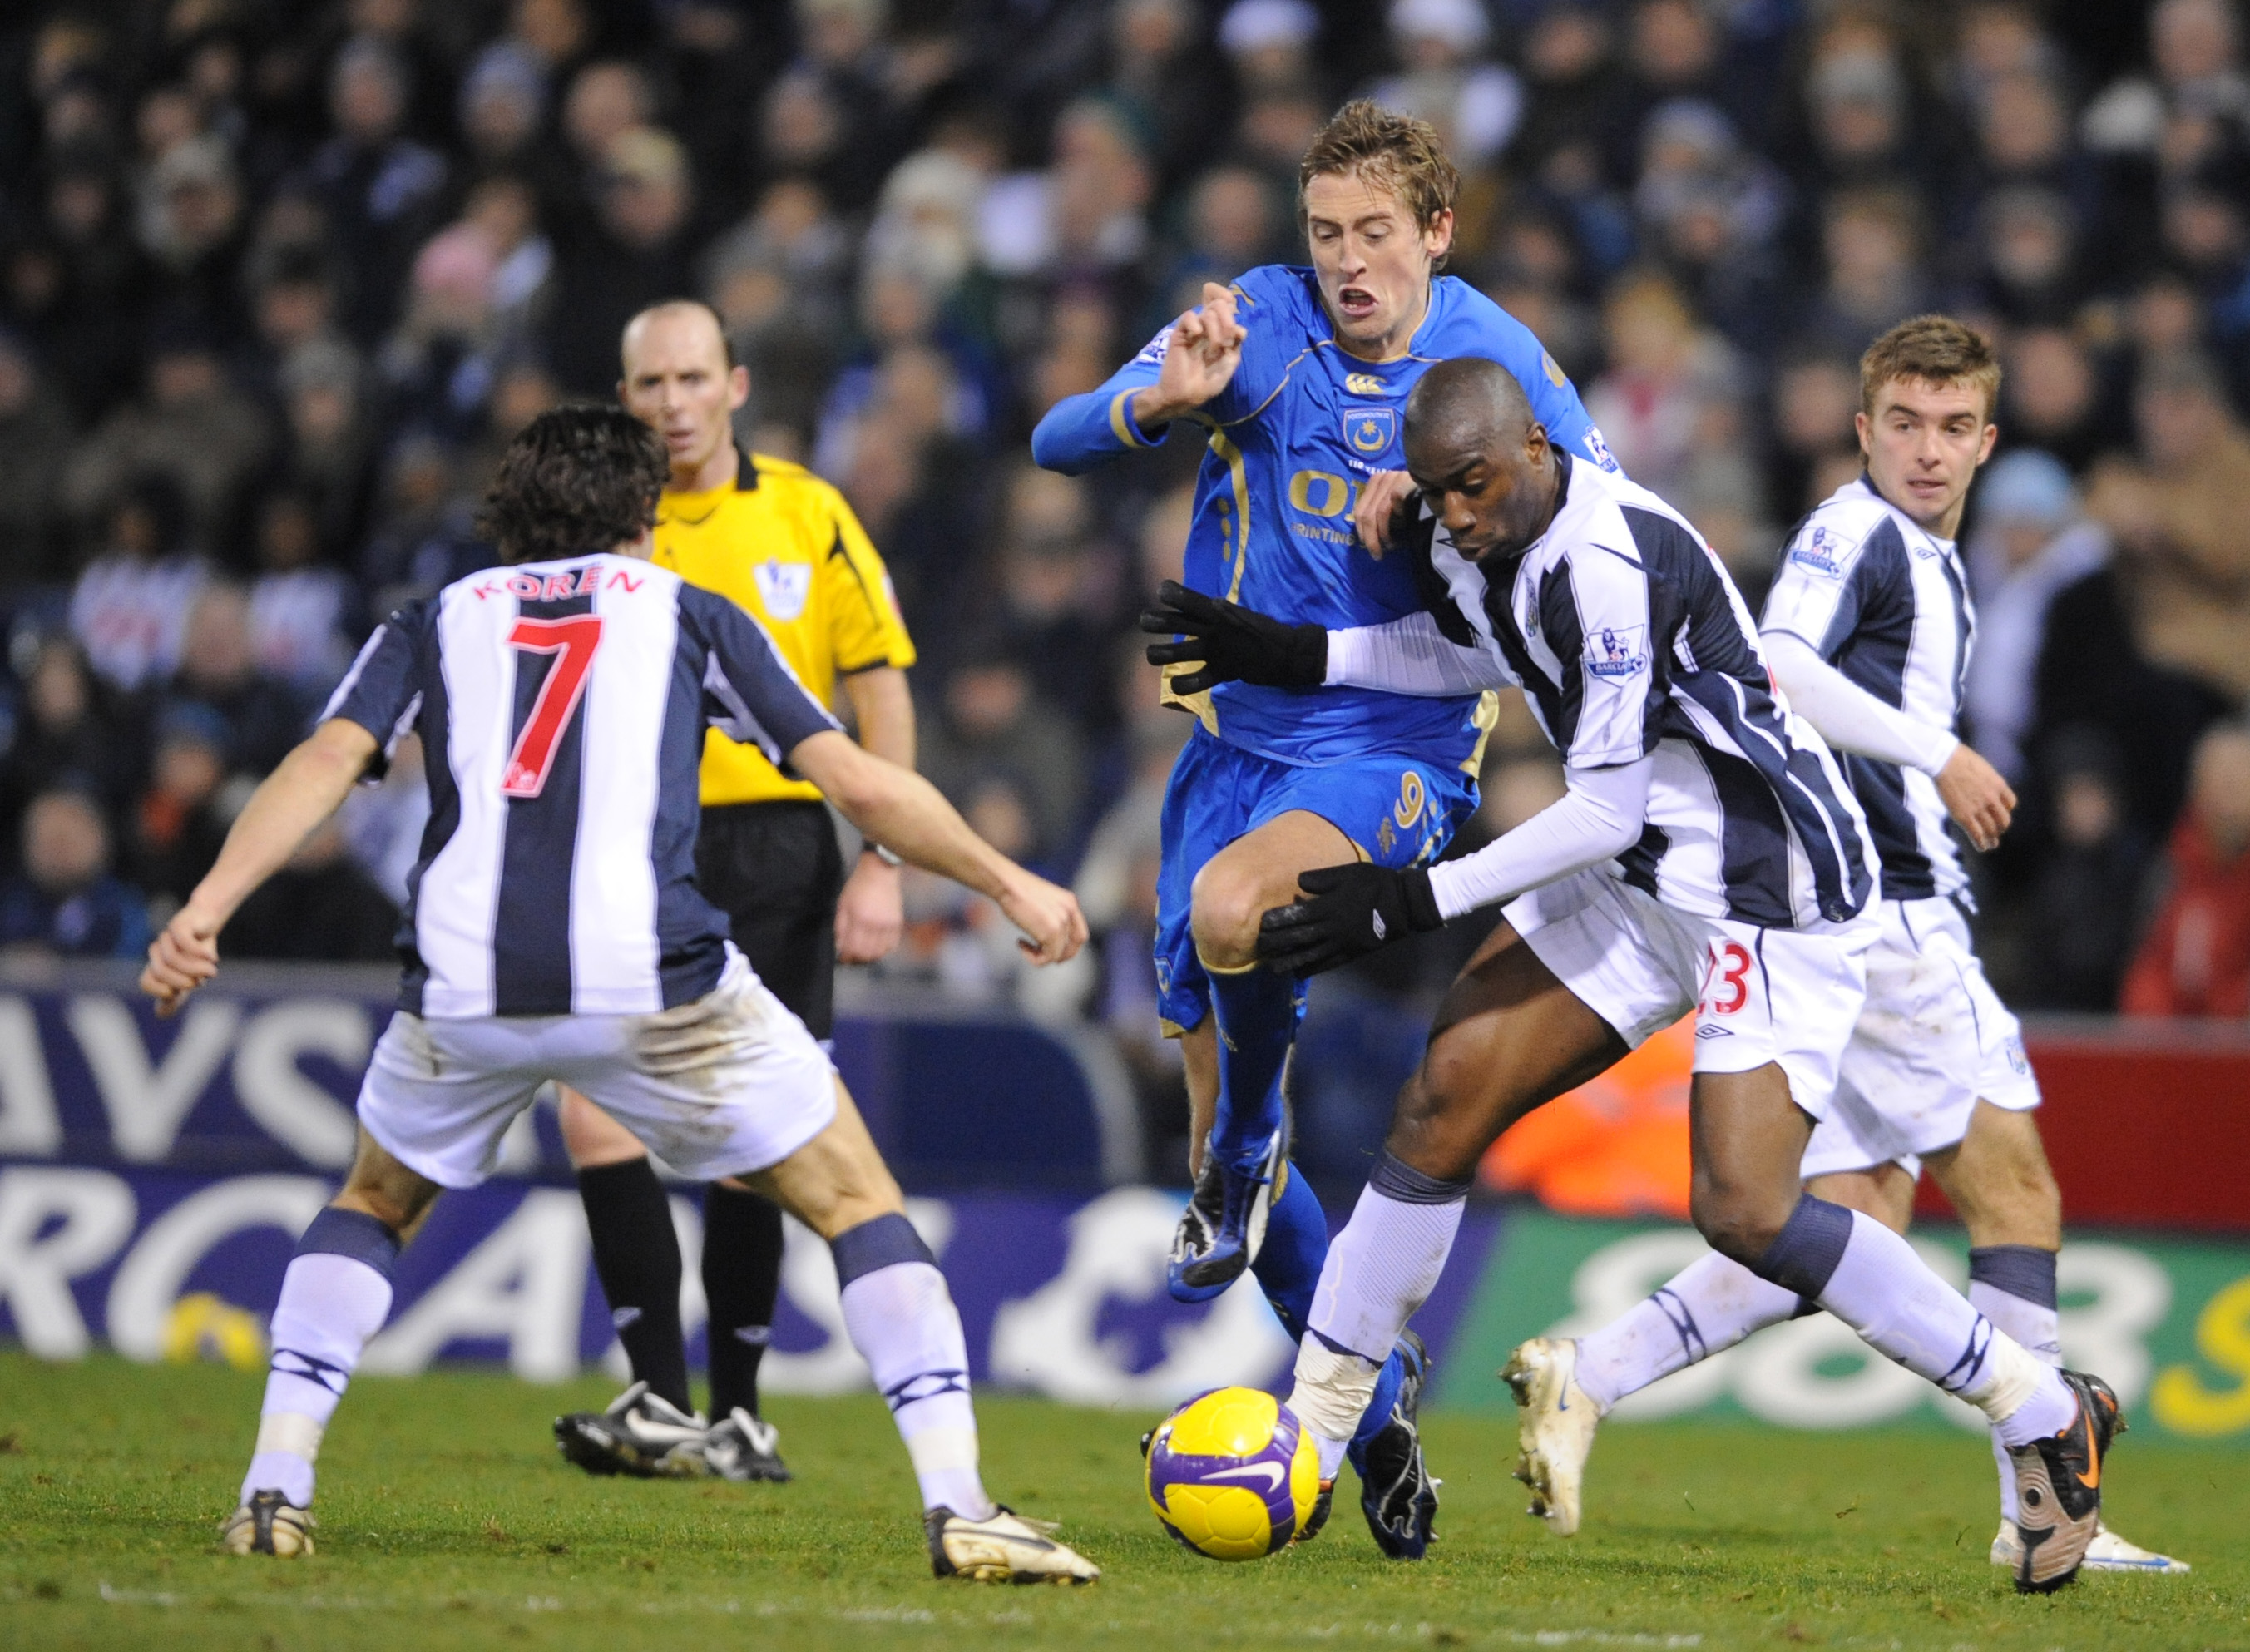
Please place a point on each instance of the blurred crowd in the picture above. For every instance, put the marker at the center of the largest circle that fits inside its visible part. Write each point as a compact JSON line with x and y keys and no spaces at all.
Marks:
{"x":279,"y":279}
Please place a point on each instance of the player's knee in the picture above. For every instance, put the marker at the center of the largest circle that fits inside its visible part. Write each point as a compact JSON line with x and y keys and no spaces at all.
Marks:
{"x":1739,"y":1223}
{"x":1427,"y":1133}
{"x":1224,"y":911}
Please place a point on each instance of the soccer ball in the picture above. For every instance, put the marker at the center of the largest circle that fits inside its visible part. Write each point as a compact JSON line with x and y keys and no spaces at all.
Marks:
{"x":1231,"y":1474}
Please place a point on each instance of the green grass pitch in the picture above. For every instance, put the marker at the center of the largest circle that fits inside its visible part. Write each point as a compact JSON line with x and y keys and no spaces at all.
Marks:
{"x":447,"y":1520}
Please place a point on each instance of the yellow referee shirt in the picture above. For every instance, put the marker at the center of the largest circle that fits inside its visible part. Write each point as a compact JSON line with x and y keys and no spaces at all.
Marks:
{"x":782,"y":543}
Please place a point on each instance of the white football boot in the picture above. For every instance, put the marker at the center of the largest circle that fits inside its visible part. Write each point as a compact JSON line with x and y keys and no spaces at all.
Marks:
{"x":1556,"y":1432}
{"x":640,"y":1433}
{"x":1005,"y":1548}
{"x":2108,"y":1552}
{"x":741,"y":1447}
{"x":266,"y":1524}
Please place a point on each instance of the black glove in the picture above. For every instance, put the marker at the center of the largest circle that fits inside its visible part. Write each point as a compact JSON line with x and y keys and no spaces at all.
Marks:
{"x":1231,"y":644}
{"x":1352,"y":910}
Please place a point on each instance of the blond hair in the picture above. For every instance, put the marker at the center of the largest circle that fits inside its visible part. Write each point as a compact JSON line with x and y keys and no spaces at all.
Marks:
{"x":1387,"y":150}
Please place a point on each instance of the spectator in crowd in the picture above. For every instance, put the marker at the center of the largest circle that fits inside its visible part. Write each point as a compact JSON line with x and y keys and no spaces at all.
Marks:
{"x":63,"y":903}
{"x":63,"y":736}
{"x":192,"y":425}
{"x":1445,"y":77}
{"x":178,"y":823}
{"x":2069,"y":950}
{"x":129,"y":608}
{"x":2031,"y":541}
{"x":319,"y":908}
{"x":2176,"y":511}
{"x":381,"y":191}
{"x":994,"y":728}
{"x":35,"y":434}
{"x":2195,"y":958}
{"x":634,"y":254}
{"x":299,"y":607}
{"x":259,"y":718}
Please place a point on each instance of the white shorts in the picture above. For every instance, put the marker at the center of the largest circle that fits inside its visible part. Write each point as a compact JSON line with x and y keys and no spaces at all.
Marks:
{"x":1933,"y":1039}
{"x":728,"y":1084}
{"x":1759,"y":995}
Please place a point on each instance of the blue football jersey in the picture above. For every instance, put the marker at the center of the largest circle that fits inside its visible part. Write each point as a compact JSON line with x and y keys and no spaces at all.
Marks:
{"x":1288,"y":443}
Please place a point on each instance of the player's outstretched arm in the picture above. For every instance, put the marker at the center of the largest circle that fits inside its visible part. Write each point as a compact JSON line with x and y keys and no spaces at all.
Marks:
{"x":1187,"y":367}
{"x":906,"y":814}
{"x":1227,"y":642}
{"x":310,"y":785}
{"x":1851,"y":719}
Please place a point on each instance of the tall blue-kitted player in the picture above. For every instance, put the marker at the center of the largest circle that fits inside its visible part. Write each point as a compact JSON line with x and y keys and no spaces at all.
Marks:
{"x":1295,"y":377}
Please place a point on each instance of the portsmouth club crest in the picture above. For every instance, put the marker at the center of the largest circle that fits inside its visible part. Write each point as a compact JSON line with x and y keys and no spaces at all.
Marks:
{"x":1617,"y":651}
{"x":783,"y":586}
{"x":1369,"y":430}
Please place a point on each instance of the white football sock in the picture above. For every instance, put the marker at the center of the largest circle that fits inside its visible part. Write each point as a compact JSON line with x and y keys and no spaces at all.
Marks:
{"x":1874,"y":1281}
{"x":902,"y":1320}
{"x":2034,"y":1322}
{"x":1710,"y":1304}
{"x":330,"y":1306}
{"x":1379,"y":1270}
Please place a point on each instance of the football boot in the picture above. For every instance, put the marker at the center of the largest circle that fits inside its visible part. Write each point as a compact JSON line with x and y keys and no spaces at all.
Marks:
{"x":1556,"y":1432}
{"x":1224,"y":1227}
{"x":1395,"y":1492}
{"x":641,"y":1434}
{"x":741,"y":1447}
{"x":2059,"y":1488}
{"x":268,"y":1524}
{"x":2108,"y":1552}
{"x":1002,"y":1548}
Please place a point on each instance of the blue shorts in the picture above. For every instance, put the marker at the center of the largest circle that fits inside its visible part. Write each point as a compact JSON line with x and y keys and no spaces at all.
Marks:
{"x":1398,"y":811}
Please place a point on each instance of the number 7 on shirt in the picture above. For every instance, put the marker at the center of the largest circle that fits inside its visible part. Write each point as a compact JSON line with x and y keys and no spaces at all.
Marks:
{"x":574,"y":640}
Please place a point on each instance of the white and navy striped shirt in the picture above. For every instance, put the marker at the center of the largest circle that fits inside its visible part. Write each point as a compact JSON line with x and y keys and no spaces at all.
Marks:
{"x":1631,"y":641}
{"x":1887,"y":604}
{"x":563,"y":707}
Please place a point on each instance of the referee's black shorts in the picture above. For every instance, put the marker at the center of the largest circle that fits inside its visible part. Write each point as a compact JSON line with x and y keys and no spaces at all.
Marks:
{"x":776,"y":870}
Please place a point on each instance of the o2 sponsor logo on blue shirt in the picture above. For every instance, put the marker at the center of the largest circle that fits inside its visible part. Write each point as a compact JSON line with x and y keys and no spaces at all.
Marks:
{"x":1820,"y":552}
{"x":1617,"y":651}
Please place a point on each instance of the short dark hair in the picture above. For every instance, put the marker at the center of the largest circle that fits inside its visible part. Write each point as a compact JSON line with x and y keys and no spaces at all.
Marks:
{"x":578,"y":479}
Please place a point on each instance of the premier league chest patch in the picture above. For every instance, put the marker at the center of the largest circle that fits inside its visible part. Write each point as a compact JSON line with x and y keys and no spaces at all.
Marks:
{"x":784,"y":587}
{"x":1820,"y":552}
{"x":1369,"y":430}
{"x":1617,"y":651}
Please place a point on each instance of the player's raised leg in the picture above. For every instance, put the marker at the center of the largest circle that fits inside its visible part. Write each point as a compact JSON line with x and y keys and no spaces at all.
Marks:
{"x":1254,"y":1014}
{"x":334,"y":1298}
{"x":1566,"y":1385}
{"x":902,"y":1320}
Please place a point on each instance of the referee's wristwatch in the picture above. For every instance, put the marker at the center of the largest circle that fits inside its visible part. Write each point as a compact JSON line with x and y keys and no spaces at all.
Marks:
{"x":881,"y":853}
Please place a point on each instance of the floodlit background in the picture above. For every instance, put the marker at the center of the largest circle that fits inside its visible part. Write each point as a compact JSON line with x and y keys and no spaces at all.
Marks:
{"x":278,"y":281}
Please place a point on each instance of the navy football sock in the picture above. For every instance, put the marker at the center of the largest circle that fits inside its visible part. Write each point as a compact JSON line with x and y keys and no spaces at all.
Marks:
{"x":1288,"y":1265}
{"x":1257,"y":1014}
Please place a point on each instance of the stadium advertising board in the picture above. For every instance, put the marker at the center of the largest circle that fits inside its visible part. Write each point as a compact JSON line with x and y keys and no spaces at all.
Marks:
{"x":153,"y":1176}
